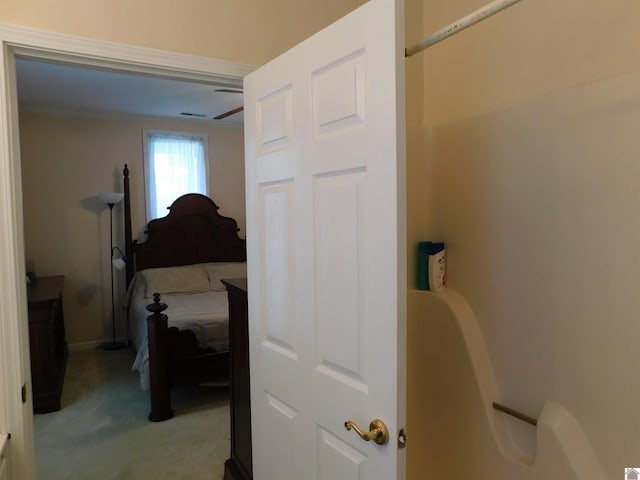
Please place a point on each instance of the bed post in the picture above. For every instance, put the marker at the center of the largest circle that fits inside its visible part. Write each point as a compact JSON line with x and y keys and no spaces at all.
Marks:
{"x":158,"y":362}
{"x":128,"y":237}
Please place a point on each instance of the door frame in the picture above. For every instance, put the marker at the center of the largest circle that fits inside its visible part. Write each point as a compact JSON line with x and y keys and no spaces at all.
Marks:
{"x":15,"y":417}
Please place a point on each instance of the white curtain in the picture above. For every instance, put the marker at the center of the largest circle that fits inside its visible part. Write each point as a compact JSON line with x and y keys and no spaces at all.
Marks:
{"x":176,"y":166}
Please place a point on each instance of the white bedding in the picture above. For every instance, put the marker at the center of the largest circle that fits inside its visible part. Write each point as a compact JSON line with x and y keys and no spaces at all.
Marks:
{"x":205,"y":313}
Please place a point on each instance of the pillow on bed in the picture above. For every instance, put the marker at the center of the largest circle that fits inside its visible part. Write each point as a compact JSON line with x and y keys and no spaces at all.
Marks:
{"x":185,"y":279}
{"x":224,"y":270}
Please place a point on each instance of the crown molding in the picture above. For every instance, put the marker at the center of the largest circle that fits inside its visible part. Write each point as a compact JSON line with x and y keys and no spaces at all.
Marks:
{"x":47,"y":45}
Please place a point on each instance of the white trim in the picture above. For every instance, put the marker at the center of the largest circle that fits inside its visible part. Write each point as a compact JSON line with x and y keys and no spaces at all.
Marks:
{"x":4,"y":468}
{"x":16,"y":417}
{"x":4,"y":441}
{"x":66,"y":48}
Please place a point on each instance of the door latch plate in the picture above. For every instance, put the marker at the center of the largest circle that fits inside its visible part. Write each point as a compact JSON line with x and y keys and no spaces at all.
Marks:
{"x":402,"y":439}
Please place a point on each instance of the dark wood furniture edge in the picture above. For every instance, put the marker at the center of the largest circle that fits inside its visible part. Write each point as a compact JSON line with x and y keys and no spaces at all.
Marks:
{"x":128,"y":235}
{"x":158,"y":362}
{"x":175,"y":358}
{"x":232,"y":472}
{"x":239,"y":465}
{"x":45,"y":292}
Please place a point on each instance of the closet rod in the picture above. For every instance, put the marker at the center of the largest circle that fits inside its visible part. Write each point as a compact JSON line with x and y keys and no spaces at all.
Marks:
{"x":515,"y":413}
{"x":459,"y":25}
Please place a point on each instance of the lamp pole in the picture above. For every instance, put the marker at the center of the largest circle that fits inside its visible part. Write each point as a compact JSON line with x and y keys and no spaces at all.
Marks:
{"x":113,"y":345}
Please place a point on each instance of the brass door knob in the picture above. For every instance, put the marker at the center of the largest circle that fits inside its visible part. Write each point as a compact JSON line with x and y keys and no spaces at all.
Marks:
{"x":378,"y":431}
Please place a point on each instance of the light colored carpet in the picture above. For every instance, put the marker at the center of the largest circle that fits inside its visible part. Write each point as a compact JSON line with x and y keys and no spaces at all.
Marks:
{"x":102,"y":431}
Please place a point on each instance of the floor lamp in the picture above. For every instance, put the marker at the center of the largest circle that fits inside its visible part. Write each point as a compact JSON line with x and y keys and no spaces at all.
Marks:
{"x":110,"y":199}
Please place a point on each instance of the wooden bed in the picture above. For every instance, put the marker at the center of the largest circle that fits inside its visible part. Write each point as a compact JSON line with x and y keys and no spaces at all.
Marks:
{"x":192,"y":233}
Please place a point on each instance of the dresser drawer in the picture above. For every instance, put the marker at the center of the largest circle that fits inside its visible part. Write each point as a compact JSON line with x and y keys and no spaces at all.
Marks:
{"x":47,"y":342}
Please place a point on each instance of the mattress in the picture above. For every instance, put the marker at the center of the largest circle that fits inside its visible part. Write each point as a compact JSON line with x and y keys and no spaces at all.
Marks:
{"x":204,"y":313}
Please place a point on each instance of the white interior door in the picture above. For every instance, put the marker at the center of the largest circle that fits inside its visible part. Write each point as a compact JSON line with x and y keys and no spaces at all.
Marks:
{"x":324,"y":129}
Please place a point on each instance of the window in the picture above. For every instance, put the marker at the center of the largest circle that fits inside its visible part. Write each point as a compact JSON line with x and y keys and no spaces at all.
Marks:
{"x":175,"y":164}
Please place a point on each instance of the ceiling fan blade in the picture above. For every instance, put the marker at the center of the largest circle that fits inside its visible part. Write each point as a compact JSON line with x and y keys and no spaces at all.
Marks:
{"x":229,"y":113}
{"x":229,"y":90}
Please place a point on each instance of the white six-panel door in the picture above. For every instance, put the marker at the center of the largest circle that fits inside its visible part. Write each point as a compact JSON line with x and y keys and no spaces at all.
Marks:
{"x":324,"y":129}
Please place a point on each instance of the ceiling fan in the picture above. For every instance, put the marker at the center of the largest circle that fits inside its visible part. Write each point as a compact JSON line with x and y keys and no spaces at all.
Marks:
{"x":230,"y":112}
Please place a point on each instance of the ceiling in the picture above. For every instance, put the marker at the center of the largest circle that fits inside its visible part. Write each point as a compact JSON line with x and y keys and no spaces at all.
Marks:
{"x":78,"y":90}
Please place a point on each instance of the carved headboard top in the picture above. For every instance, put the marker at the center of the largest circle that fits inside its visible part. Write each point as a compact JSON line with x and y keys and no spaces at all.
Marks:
{"x":192,"y":232}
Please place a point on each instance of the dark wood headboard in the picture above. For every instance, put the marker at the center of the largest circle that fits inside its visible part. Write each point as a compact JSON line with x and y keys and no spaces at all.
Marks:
{"x":192,"y":232}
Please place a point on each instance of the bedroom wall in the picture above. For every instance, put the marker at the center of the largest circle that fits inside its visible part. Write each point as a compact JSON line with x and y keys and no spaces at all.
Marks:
{"x":240,"y":31}
{"x":66,"y":162}
{"x":530,"y":164}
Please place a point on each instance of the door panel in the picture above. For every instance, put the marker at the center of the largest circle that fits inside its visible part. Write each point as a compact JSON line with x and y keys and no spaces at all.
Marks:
{"x":325,"y":235}
{"x":340,"y":330}
{"x":280,"y":420}
{"x":337,"y":459}
{"x":338,"y":95}
{"x":277,"y":236}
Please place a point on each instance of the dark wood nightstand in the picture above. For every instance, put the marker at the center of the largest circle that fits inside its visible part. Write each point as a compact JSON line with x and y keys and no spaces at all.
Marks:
{"x":47,"y":342}
{"x":239,"y":465}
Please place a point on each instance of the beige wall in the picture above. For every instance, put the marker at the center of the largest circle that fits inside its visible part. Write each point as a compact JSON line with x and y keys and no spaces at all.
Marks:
{"x":530,"y":176}
{"x":523,"y":52}
{"x":66,"y":162}
{"x":417,"y":193}
{"x":243,"y":31}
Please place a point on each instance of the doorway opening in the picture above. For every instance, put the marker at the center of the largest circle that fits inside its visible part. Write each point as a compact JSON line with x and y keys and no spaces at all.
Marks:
{"x":59,"y":49}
